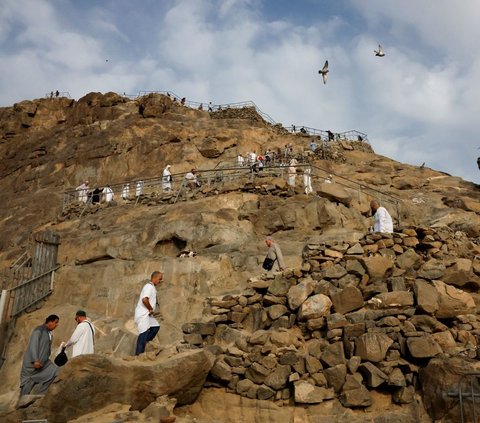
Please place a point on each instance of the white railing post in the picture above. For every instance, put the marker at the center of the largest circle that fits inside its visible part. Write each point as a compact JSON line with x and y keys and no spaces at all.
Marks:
{"x":3,"y":303}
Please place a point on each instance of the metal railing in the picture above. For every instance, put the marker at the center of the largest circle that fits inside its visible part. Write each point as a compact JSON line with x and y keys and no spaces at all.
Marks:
{"x":472,"y":392}
{"x":325,"y":135}
{"x":351,"y":135}
{"x":210,"y":107}
{"x":54,"y":94}
{"x":228,"y":171}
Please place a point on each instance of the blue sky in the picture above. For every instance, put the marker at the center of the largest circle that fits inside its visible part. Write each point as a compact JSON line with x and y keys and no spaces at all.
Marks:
{"x":417,"y":104}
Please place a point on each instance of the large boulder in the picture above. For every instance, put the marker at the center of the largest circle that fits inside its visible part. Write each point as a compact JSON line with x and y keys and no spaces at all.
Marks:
{"x":335,"y":193}
{"x":89,"y":382}
{"x":442,"y":376}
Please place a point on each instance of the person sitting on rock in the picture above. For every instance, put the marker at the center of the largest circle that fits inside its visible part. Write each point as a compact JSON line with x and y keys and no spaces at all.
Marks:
{"x":381,"y":218}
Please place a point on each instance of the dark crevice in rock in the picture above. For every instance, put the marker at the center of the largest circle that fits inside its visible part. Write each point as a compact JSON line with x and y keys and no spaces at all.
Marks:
{"x":94,"y":259}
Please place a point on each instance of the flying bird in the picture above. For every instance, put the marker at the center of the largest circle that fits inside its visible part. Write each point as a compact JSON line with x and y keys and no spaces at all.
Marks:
{"x":324,"y":72}
{"x":379,"y":52}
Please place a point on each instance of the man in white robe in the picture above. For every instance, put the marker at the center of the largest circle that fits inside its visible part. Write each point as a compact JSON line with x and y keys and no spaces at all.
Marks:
{"x":139,"y":188}
{"x":167,"y":179}
{"x":382,"y":219}
{"x":292,"y":173}
{"x":108,"y":193}
{"x":147,"y":325}
{"x":83,"y":337}
{"x":38,"y":372}
{"x":307,"y":180}
{"x":83,"y":192}
{"x":126,"y":191}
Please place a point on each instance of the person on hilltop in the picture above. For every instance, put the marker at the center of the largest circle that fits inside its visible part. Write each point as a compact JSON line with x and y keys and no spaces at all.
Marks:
{"x":274,"y":254}
{"x":167,"y":179}
{"x":38,"y":372}
{"x":83,"y":337}
{"x":147,"y":325}
{"x":382,"y":221}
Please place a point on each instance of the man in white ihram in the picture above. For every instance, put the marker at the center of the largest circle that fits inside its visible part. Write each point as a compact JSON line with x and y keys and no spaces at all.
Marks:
{"x":382,"y":219}
{"x":83,"y":337}
{"x":147,"y":325}
{"x":108,"y":194}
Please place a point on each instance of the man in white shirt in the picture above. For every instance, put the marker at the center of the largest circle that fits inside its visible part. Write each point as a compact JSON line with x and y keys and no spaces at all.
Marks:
{"x":83,"y":337}
{"x":382,"y":219}
{"x":147,"y":325}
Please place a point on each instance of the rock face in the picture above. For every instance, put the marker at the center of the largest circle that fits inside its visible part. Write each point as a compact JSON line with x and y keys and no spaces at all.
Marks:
{"x":275,"y":332}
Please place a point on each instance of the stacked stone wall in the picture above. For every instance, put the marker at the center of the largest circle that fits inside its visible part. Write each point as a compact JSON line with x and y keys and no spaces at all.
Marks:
{"x":355,"y":317}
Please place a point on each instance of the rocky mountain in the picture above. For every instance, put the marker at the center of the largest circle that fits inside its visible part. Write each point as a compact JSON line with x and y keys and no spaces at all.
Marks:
{"x":356,"y":328}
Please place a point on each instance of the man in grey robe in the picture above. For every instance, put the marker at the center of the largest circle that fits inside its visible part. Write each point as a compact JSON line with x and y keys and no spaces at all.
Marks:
{"x":38,"y":372}
{"x":275,"y":253}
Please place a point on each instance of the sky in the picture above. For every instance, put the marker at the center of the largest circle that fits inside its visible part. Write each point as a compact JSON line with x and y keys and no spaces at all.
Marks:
{"x":417,"y":104}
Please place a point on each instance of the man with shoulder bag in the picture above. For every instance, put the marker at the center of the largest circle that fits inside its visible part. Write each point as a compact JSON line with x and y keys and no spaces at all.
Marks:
{"x":274,"y":254}
{"x":83,"y":338}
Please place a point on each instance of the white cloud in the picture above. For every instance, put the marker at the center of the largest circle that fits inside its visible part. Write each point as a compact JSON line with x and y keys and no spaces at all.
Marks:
{"x":417,"y":104}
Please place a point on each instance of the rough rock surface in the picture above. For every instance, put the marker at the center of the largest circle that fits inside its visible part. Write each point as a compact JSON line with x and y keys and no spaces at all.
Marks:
{"x":108,"y":250}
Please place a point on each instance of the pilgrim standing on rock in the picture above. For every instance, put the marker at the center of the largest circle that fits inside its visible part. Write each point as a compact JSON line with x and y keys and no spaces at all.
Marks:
{"x":147,"y":325}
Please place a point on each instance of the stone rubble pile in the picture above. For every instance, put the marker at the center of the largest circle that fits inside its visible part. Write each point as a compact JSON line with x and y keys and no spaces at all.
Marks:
{"x":355,"y":317}
{"x":249,"y":113}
